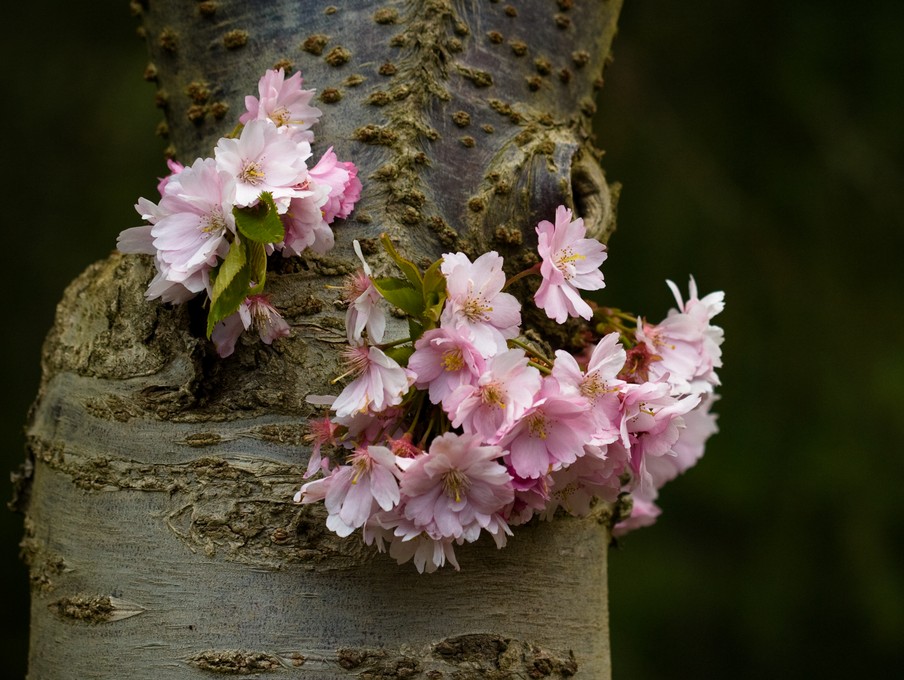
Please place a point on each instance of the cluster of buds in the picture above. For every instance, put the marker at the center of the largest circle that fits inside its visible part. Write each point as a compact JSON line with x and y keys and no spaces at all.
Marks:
{"x":465,"y":426}
{"x":219,"y":218}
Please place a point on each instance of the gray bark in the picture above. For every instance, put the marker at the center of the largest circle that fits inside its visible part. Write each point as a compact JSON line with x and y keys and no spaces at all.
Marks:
{"x":160,"y":532}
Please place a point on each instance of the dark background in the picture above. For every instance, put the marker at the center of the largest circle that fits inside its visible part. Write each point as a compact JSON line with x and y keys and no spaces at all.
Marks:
{"x":760,"y":145}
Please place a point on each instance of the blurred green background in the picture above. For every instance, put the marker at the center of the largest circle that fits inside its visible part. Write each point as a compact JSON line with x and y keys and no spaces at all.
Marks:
{"x":761,"y":149}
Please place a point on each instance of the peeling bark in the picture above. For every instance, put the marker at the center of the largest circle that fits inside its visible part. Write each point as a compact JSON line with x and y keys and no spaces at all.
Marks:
{"x":160,"y":531}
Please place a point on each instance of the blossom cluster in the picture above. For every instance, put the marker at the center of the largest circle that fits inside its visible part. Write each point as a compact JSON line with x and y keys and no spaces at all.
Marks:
{"x":219,"y":218}
{"x":467,"y":427}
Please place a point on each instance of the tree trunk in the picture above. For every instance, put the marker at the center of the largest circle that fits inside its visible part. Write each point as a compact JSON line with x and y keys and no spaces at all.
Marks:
{"x":160,"y":532}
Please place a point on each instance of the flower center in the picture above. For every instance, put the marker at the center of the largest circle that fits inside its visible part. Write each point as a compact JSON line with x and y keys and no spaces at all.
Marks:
{"x":475,"y":308}
{"x":280,"y":116}
{"x":453,"y":360}
{"x":455,"y":484}
{"x":213,"y":221}
{"x":251,"y":173}
{"x":536,"y":425}
{"x":362,"y":463}
{"x":493,"y":395}
{"x":565,"y":260}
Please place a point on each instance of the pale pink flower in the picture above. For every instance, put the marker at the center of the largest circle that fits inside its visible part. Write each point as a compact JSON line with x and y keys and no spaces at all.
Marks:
{"x":686,"y":344}
{"x":305,"y":226}
{"x":599,"y":384}
{"x":427,"y":551}
{"x":652,"y":421}
{"x":550,"y":434}
{"x":355,"y":492}
{"x":475,"y":301}
{"x":595,"y":475}
{"x":445,"y":359}
{"x":255,"y":312}
{"x":260,"y":160}
{"x":501,"y":395}
{"x":342,"y":180}
{"x":284,"y":103}
{"x":188,"y":226}
{"x":570,"y":263}
{"x":364,"y":311}
{"x":457,"y":488}
{"x":379,"y":383}
{"x":320,"y":431}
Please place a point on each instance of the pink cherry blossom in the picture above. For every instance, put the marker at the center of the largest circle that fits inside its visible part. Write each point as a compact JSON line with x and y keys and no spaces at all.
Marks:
{"x":353,"y":493}
{"x":410,"y":543}
{"x":445,"y":359}
{"x":502,"y":394}
{"x":686,"y":346}
{"x":364,"y":311}
{"x":652,"y":421}
{"x":255,"y":312}
{"x":595,"y":475}
{"x":643,"y":514}
{"x":189,"y":225}
{"x":475,"y":301}
{"x":550,"y":434}
{"x":304,"y":224}
{"x":175,"y":167}
{"x":457,"y":487}
{"x":320,"y":431}
{"x":570,"y":263}
{"x":284,"y":103}
{"x":379,"y":383}
{"x":531,"y":497}
{"x":260,"y":160}
{"x":342,"y":180}
{"x":599,"y":384}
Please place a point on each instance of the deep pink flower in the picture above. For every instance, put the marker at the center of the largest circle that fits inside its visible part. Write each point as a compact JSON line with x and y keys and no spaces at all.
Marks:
{"x":456,"y":488}
{"x":570,"y":263}
{"x":502,"y":394}
{"x":379,"y":383}
{"x":284,"y":103}
{"x":475,"y":301}
{"x":342,"y":180}
{"x":260,"y":160}
{"x":445,"y":359}
{"x":353,"y":493}
{"x":255,"y":313}
{"x":550,"y":434}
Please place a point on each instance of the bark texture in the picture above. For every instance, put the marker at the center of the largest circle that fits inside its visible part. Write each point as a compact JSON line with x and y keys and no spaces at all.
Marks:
{"x":160,"y":533}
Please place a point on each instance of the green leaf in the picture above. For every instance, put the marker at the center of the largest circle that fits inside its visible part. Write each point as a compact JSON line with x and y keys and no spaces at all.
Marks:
{"x":260,"y":222}
{"x":409,"y":269}
{"x":236,"y":258}
{"x":257,"y":262}
{"x":434,"y":292}
{"x":401,"y":294}
{"x":400,"y":354}
{"x":415,"y":330}
{"x":229,"y":299}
